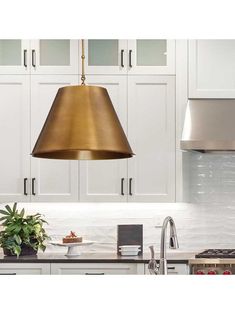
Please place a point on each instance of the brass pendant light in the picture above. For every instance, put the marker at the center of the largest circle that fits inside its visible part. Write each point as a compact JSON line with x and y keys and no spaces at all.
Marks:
{"x":82,"y":124}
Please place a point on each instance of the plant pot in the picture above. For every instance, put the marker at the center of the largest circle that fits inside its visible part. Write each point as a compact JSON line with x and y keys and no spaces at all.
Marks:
{"x":25,"y":250}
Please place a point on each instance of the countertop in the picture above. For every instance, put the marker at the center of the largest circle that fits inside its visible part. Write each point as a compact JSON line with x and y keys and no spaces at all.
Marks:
{"x":174,"y":258}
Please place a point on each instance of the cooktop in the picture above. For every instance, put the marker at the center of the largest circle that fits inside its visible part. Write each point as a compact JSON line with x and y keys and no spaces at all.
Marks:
{"x":217,"y":253}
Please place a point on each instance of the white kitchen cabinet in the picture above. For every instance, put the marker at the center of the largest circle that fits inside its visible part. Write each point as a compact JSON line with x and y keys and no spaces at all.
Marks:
{"x":151,"y":132}
{"x":23,"y":111}
{"x":105,"y":180}
{"x":14,"y":56}
{"x":97,"y":268}
{"x":54,"y":56}
{"x":211,"y":68}
{"x":52,"y":180}
{"x":105,"y":56}
{"x":173,"y":269}
{"x":141,"y":56}
{"x":25,"y":269}
{"x":43,"y":56}
{"x":150,"y":175}
{"x":14,"y":138}
{"x":151,"y":56}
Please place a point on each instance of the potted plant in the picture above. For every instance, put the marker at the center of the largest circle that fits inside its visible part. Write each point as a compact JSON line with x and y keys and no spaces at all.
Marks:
{"x":22,"y":234}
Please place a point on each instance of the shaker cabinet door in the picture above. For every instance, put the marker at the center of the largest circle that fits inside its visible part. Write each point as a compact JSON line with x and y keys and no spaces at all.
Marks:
{"x":105,"y":180}
{"x":211,"y":68}
{"x":52,"y":180}
{"x":14,"y":138}
{"x":151,"y":132}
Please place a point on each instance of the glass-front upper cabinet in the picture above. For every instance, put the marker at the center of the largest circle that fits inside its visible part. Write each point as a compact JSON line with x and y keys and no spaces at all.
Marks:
{"x":105,"y":56}
{"x":44,"y":56}
{"x":14,"y":56}
{"x":141,"y":56}
{"x":54,"y":56}
{"x":151,"y":56}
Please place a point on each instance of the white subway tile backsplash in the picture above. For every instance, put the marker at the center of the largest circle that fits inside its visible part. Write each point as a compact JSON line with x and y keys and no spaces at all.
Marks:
{"x":199,"y":226}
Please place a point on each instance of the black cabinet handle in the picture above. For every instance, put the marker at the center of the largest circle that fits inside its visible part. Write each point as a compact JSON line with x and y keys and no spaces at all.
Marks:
{"x":25,"y":58}
{"x":1,"y":274}
{"x":122,"y":186}
{"x":34,"y":58}
{"x":171,"y":268}
{"x":130,"y":53}
{"x":130,"y":186}
{"x":94,"y":273}
{"x":122,"y":62}
{"x":33,"y":186}
{"x":25,"y":186}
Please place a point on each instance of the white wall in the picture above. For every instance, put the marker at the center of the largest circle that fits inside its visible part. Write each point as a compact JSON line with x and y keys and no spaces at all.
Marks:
{"x":198,"y":226}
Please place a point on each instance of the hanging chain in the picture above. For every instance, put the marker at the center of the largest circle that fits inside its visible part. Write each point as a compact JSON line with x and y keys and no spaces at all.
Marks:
{"x":83,"y":78}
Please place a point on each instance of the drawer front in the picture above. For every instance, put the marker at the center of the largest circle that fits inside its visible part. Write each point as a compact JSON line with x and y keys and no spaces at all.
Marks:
{"x":173,"y":269}
{"x":93,"y":269}
{"x":24,"y":269}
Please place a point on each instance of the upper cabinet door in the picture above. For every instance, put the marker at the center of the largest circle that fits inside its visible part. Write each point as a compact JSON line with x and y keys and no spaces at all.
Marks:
{"x":151,"y":132}
{"x":105,"y":56}
{"x":212,"y":68}
{"x":14,"y":138}
{"x":151,"y":56}
{"x":14,"y":56}
{"x":54,"y":56}
{"x":52,"y":180}
{"x":105,"y":180}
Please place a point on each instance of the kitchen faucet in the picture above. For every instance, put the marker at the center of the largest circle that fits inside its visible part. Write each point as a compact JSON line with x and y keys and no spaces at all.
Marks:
{"x":161,"y":269}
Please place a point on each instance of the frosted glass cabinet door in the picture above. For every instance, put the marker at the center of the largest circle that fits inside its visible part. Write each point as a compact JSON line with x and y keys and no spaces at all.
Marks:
{"x":14,"y":56}
{"x":54,"y":180}
{"x":54,"y":56}
{"x":151,"y":56}
{"x":105,"y":56}
{"x":14,"y":138}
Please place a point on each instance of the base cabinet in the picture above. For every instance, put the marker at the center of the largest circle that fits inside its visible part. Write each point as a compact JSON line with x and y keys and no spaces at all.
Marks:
{"x":173,"y":269}
{"x":97,"y":269}
{"x":25,"y":269}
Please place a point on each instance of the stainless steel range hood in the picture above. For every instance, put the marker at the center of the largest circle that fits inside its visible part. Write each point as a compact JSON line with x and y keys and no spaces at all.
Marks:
{"x":209,"y":125}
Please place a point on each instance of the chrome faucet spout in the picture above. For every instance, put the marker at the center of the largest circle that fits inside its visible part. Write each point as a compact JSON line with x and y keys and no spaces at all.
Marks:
{"x":173,"y":244}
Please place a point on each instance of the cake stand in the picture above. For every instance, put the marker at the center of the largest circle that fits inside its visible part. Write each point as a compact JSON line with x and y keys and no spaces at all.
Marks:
{"x":72,"y":247}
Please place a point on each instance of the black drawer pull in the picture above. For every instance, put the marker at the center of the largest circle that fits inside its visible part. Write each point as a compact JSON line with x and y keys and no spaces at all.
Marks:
{"x":171,"y":268}
{"x":25,"y":58}
{"x":2,"y":274}
{"x":25,"y":186}
{"x":122,"y":187}
{"x":33,"y":186}
{"x":94,"y":273}
{"x":130,"y":63}
{"x":34,"y":58}
{"x":122,"y":53}
{"x":130,"y":186}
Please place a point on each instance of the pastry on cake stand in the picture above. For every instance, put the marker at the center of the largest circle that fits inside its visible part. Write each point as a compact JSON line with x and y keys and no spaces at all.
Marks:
{"x":72,"y":242}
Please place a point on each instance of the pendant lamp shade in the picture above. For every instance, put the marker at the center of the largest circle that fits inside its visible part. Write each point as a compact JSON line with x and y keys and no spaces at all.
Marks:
{"x":82,"y":124}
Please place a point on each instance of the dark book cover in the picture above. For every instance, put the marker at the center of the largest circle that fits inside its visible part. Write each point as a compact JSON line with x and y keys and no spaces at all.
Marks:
{"x":130,"y":235}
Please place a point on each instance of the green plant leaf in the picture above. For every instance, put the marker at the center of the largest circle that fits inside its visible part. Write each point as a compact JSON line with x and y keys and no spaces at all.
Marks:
{"x":4,"y":212}
{"x":8,"y":208}
{"x":17,"y":250}
{"x":22,"y":213}
{"x":18,"y":239}
{"x":14,"y":208}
